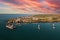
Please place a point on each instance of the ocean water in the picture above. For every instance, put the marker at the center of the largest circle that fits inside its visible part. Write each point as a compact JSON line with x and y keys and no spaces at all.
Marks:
{"x":28,"y":31}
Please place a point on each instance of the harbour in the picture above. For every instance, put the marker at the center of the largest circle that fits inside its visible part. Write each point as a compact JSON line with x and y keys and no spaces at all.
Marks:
{"x":30,"y":31}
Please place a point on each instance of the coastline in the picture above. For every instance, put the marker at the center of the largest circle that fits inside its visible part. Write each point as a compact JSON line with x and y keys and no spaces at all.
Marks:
{"x":36,"y":19}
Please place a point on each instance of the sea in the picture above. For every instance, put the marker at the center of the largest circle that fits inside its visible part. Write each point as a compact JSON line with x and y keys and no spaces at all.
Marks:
{"x":28,"y":31}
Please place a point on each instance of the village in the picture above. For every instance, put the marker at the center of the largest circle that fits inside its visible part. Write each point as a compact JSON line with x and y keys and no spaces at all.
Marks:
{"x":33,"y":19}
{"x":36,"y":19}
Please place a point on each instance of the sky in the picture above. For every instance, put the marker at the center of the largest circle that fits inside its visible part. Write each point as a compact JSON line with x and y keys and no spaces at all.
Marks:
{"x":29,"y":6}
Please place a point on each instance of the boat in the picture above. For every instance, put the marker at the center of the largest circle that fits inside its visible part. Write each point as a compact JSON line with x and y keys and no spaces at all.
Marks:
{"x":10,"y":26}
{"x":54,"y":26}
{"x":39,"y":27}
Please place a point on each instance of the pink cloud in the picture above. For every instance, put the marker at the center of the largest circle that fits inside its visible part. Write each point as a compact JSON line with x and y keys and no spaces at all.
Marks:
{"x":53,"y":3}
{"x":33,"y":5}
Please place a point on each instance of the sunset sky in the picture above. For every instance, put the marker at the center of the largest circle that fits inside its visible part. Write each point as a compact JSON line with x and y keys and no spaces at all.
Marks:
{"x":29,"y":6}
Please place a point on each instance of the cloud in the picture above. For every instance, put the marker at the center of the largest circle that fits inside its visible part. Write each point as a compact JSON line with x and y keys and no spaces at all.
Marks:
{"x":33,"y":6}
{"x":53,"y":4}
